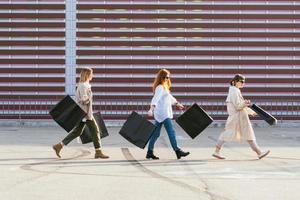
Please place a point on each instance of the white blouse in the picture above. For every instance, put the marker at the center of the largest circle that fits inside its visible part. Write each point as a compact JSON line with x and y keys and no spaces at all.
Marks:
{"x":163,"y":101}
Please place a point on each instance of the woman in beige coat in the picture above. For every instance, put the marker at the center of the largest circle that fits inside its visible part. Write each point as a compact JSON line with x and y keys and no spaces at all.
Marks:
{"x":84,"y":99}
{"x":238,"y":126}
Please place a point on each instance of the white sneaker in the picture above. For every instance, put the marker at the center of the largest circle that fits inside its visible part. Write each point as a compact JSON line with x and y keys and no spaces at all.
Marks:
{"x":217,"y":155}
{"x":263,"y":154}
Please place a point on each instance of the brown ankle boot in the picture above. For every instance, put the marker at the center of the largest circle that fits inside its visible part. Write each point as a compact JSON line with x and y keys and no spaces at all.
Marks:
{"x":99,"y":154}
{"x":57,"y":148}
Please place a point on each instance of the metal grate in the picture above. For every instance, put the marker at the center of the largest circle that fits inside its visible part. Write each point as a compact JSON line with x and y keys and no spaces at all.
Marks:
{"x":202,"y":43}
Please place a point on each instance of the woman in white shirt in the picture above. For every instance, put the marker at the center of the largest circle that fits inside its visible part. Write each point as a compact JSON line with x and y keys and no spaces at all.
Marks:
{"x":161,"y":109}
{"x":238,"y":126}
{"x":84,"y":98}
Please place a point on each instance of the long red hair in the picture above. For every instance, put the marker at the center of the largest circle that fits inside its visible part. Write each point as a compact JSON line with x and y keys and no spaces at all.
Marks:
{"x":161,"y":80}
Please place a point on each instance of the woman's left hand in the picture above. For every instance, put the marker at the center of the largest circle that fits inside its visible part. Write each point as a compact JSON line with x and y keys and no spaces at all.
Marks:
{"x":179,"y":106}
{"x":248,"y":102}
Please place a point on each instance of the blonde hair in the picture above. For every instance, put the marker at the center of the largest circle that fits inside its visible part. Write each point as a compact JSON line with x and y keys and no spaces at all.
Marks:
{"x":160,"y":79}
{"x":237,"y":78}
{"x":85,"y":74}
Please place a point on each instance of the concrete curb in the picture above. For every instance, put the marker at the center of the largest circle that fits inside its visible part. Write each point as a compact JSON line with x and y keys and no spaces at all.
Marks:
{"x":119,"y":123}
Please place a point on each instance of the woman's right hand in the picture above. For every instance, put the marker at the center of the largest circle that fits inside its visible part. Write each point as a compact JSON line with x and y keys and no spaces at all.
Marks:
{"x":150,"y":113}
{"x":248,"y":102}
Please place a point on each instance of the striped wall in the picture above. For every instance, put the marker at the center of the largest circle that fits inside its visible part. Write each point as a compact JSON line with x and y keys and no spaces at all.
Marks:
{"x":202,"y":43}
{"x":32,"y":56}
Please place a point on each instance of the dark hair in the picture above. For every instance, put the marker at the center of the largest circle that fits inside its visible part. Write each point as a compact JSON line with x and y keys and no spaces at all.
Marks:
{"x":237,"y":78}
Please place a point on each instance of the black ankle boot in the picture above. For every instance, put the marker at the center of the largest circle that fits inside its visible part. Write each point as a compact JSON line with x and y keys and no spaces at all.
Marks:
{"x":151,"y":155}
{"x":180,"y":153}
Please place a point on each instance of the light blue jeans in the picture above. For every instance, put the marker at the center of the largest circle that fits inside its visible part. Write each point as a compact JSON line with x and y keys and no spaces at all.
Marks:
{"x":171,"y":133}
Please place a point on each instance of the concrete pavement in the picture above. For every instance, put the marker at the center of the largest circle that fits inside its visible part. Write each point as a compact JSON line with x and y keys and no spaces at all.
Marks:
{"x":30,"y":170}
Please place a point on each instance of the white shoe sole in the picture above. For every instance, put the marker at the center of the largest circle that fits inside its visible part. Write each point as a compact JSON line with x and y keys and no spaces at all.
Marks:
{"x":264,"y":154}
{"x":218,"y":156}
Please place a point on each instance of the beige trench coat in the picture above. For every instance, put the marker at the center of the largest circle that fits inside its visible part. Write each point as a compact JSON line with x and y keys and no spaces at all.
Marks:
{"x":238,"y":126}
{"x":84,"y":98}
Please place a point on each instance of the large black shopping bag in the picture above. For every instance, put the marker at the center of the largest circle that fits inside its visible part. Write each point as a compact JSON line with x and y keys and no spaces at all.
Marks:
{"x":86,"y":135}
{"x":67,"y":113}
{"x":264,"y":114}
{"x":137,"y":130}
{"x":194,"y":120}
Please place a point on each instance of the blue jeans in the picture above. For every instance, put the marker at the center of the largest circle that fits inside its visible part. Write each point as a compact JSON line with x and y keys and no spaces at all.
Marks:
{"x":171,"y":133}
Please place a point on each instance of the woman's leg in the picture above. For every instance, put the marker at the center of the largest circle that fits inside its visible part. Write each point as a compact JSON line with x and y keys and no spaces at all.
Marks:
{"x":71,"y":136}
{"x":96,"y":138}
{"x":77,"y":131}
{"x":154,"y":136}
{"x":172,"y":137}
{"x":219,"y":146}
{"x":95,"y":133}
{"x":171,"y":133}
{"x":254,"y":146}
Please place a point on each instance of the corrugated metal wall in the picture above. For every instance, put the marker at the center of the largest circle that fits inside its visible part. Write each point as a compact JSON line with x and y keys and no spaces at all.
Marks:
{"x":32,"y":56}
{"x":202,"y":43}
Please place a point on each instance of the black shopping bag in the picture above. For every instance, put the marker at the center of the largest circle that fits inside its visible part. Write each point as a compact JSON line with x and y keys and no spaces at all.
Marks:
{"x":67,"y":113}
{"x":86,"y":136}
{"x":194,"y":120}
{"x":137,"y":130}
{"x":264,"y":114}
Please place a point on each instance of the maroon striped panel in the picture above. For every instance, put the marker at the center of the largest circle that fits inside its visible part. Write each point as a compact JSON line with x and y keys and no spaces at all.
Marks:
{"x":32,"y":57}
{"x":203,"y":44}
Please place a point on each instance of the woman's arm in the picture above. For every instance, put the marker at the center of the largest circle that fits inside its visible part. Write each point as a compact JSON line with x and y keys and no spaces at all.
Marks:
{"x":150,"y":111}
{"x":176,"y":103}
{"x":84,"y":94}
{"x":157,"y":95}
{"x":250,"y":111}
{"x":237,"y":100}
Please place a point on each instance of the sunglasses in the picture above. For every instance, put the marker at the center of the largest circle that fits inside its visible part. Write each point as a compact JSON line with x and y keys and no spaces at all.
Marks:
{"x":242,"y":81}
{"x":165,"y":77}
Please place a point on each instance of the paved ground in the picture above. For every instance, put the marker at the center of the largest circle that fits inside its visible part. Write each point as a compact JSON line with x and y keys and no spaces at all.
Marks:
{"x":29,"y":169}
